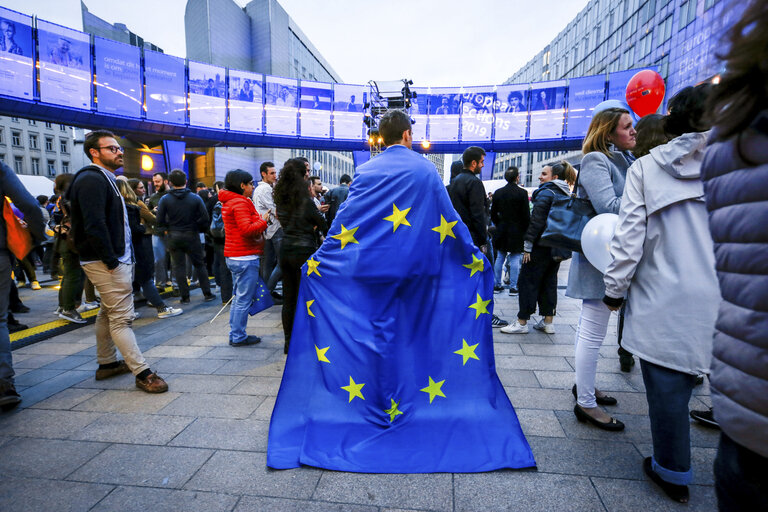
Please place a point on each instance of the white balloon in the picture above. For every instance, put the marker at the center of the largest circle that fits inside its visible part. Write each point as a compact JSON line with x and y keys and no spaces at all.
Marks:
{"x":596,"y":240}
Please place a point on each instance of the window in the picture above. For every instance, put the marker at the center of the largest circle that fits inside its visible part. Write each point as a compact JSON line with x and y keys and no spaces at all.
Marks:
{"x":15,"y":119}
{"x":48,"y":124}
{"x":665,"y":29}
{"x":49,"y":144}
{"x":16,"y":138}
{"x":2,"y":135}
{"x":18,"y":164}
{"x":62,"y":128}
{"x":32,"y":122}
{"x":687,"y":13}
{"x":2,"y":157}
{"x":65,"y":167}
{"x":51,"y":167}
{"x":644,"y":46}
{"x":628,"y":59}
{"x":33,"y":141}
{"x":36,"y":166}
{"x":63,"y":146}
{"x":709,"y":4}
{"x":647,"y":11}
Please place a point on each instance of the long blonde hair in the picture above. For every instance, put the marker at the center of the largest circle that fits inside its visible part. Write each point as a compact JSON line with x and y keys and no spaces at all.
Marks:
{"x":127,"y":192}
{"x":602,"y":126}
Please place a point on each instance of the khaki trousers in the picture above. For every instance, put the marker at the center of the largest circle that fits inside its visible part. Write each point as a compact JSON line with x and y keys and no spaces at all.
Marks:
{"x":115,"y":318}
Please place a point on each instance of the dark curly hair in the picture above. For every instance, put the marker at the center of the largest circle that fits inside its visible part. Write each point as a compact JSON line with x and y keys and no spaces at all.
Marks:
{"x":291,"y":188}
{"x":688,"y":111}
{"x":650,"y":133}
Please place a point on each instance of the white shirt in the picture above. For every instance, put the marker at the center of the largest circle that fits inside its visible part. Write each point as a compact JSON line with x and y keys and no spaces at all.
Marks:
{"x":264,"y":200}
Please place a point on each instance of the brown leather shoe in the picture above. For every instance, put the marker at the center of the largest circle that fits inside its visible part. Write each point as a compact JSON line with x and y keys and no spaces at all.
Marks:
{"x":152,"y":384}
{"x":105,"y":373}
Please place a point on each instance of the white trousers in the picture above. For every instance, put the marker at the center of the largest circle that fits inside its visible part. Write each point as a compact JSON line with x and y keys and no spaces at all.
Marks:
{"x":593,"y":326}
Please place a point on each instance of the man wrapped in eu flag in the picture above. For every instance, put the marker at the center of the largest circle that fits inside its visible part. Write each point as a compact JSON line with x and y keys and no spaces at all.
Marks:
{"x":391,"y":366}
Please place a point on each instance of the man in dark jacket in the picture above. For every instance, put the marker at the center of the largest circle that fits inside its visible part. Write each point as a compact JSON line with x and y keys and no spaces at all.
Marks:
{"x":336,"y":197}
{"x":103,"y":240}
{"x":510,"y":214}
{"x":11,"y":187}
{"x":468,"y":196}
{"x":182,"y":216}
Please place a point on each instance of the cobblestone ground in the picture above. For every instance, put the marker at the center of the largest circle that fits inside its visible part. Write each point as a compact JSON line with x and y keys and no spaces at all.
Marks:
{"x":77,"y":444}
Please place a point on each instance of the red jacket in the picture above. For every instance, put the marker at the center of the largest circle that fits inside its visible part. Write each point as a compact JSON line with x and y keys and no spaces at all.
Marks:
{"x":242,"y":225}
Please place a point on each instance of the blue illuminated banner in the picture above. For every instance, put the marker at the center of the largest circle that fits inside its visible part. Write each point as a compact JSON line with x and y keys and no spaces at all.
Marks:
{"x":418,"y":111}
{"x":16,"y":55}
{"x":65,"y":66}
{"x":166,"y":96}
{"x":207,"y":95}
{"x":281,"y":107}
{"x":617,"y":84}
{"x":348,"y":101}
{"x":315,"y":115}
{"x":547,"y":110}
{"x":246,"y":101}
{"x":444,"y":110}
{"x":512,"y":112}
{"x":477,"y":105}
{"x":583,"y":95}
{"x":118,"y":78}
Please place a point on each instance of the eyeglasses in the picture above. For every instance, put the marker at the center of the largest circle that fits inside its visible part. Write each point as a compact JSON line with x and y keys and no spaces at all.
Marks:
{"x":113,"y":149}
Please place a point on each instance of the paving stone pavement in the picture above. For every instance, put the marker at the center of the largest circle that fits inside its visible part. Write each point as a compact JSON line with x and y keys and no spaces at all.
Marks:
{"x":76,"y":444}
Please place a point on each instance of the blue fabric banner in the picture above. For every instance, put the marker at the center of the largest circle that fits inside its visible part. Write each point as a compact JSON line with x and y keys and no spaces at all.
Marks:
{"x":391,"y":366}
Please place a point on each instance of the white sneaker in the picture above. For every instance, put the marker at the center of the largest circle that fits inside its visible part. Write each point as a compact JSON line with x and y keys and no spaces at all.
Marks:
{"x":169,"y":311}
{"x":515,"y":328}
{"x":541,"y":325}
{"x":136,"y":314}
{"x":87,"y":306}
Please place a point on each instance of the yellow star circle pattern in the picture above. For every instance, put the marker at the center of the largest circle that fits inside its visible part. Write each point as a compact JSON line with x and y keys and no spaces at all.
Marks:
{"x":309,"y":305}
{"x":321,"y":354}
{"x":347,"y":236}
{"x":398,"y":217}
{"x":353,"y":389}
{"x":466,"y":351}
{"x":480,"y":307}
{"x":393,"y":411}
{"x":445,"y":228}
{"x":312,"y":267}
{"x":477,"y":265}
{"x":434,"y":389}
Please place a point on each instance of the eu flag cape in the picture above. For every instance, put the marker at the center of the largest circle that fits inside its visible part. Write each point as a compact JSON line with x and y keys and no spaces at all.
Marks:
{"x":391,"y":366}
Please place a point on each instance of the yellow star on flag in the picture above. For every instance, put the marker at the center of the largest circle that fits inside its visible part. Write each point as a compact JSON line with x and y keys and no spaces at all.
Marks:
{"x":347,"y":236}
{"x":445,"y":228}
{"x":477,"y":265}
{"x":433,"y":389}
{"x":353,"y":389}
{"x":467,"y":351}
{"x":310,"y":302}
{"x":398,"y":217}
{"x":392,"y":411}
{"x":312,"y":267}
{"x":481,"y":306}
{"x":321,"y":354}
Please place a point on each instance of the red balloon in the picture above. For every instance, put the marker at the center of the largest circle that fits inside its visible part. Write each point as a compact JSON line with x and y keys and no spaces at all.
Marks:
{"x":645,"y":92}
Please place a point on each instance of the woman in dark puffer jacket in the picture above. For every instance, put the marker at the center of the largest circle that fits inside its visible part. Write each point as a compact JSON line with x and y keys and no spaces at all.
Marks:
{"x":735,"y":174}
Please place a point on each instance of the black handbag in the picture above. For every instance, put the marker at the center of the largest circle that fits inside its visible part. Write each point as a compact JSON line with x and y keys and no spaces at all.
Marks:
{"x":566,"y":220}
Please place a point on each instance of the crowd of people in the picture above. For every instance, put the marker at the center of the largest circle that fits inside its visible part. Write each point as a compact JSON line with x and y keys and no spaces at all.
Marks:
{"x":688,"y":258}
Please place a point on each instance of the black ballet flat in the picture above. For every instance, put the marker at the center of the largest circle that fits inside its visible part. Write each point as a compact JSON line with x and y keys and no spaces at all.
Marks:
{"x":601,"y":400}
{"x":614,"y":425}
{"x":678,"y":493}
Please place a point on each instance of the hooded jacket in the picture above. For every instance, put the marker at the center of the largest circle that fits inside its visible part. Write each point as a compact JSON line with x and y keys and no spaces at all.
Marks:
{"x":735,"y":174}
{"x":242,"y":225}
{"x":662,"y":253}
{"x":180,"y":210}
{"x":542,"y":199}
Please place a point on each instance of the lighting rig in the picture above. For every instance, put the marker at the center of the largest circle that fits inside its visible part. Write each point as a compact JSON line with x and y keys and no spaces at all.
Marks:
{"x":395,"y":94}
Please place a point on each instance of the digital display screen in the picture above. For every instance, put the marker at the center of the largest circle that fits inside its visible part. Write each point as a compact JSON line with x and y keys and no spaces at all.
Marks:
{"x":315,"y":116}
{"x":65,"y":66}
{"x":547,"y":110}
{"x":418,"y":111}
{"x":16,"y":55}
{"x":118,"y":78}
{"x":617,"y":84}
{"x":207,"y":95}
{"x":246,"y":101}
{"x":477,"y":106}
{"x":584,"y":94}
{"x":512,"y":112}
{"x":444,"y":110}
{"x":348,"y":101}
{"x":166,"y":96}
{"x":282,"y":102}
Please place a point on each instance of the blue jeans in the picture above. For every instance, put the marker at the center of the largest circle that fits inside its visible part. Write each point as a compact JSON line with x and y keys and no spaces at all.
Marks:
{"x":513,"y":260}
{"x":159,"y":250}
{"x":6,"y":360}
{"x":245,"y":280}
{"x":668,"y":393}
{"x":739,"y":477}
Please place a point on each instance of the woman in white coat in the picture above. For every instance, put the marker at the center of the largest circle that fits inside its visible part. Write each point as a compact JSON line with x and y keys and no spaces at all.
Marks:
{"x":663,"y":260}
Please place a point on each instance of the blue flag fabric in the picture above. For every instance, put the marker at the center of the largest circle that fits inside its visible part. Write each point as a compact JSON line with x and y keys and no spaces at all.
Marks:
{"x":262,"y":299}
{"x":391,"y":366}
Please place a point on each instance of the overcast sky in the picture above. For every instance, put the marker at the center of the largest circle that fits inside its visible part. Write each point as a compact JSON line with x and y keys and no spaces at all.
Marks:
{"x":432,"y":42}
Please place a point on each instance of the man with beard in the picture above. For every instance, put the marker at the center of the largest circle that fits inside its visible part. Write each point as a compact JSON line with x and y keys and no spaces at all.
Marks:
{"x":160,"y":182}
